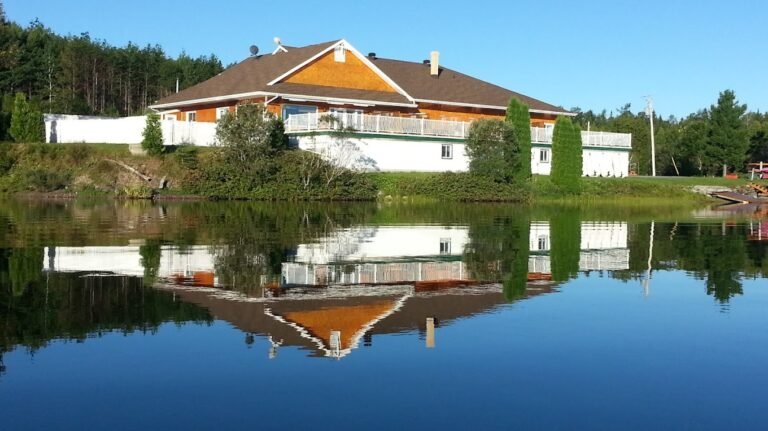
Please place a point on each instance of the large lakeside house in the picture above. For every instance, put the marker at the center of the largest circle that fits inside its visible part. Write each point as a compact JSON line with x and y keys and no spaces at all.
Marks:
{"x":406,"y":116}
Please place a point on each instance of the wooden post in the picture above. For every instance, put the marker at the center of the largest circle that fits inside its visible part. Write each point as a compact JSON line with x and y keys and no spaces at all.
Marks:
{"x":430,"y":332}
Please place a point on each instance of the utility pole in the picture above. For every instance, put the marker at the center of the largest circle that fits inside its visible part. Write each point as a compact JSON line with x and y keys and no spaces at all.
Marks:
{"x":649,"y":112}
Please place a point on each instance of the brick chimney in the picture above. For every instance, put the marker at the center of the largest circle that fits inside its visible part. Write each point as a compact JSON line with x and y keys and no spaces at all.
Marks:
{"x":434,"y":63}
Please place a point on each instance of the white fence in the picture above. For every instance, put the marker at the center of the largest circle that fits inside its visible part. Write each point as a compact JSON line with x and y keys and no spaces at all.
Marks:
{"x":379,"y":124}
{"x":69,"y":129}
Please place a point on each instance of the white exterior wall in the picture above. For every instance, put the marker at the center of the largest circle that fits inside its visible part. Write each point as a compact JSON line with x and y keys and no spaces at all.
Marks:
{"x":126,"y":260}
{"x":608,"y":163}
{"x":594,"y":235}
{"x":384,"y":242}
{"x":69,"y":129}
{"x":389,"y":154}
{"x":595,"y":162}
{"x":409,"y":155}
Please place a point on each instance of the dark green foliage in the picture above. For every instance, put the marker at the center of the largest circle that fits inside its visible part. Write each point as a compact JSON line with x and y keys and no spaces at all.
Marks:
{"x":565,"y":244}
{"x":493,"y":151}
{"x":26,"y":121}
{"x":518,"y":115}
{"x":77,"y":74}
{"x":728,"y":139}
{"x":7,"y":158}
{"x":152,"y":141}
{"x":285,"y":182}
{"x":449,"y":186}
{"x":186,"y":156}
{"x":150,"y":260}
{"x":697,"y":145}
{"x":757,"y":125}
{"x":567,"y":156}
{"x":249,"y":141}
{"x":44,"y":180}
{"x":67,"y":306}
{"x":498,"y":251}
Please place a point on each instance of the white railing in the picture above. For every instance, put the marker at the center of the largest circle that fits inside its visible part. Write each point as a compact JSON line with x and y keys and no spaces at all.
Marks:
{"x":606,"y":139}
{"x":381,"y":124}
{"x":588,"y":139}
{"x":378,"y":124}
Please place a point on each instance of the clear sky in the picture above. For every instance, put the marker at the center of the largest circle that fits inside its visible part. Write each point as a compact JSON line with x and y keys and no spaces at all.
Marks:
{"x":592,"y":54}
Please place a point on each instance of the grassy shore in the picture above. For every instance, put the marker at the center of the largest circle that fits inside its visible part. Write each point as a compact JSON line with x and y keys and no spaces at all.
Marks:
{"x":421,"y":186}
{"x":101,"y":169}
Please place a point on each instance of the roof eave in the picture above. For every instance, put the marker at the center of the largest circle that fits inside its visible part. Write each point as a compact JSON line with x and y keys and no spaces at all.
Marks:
{"x":497,"y":107}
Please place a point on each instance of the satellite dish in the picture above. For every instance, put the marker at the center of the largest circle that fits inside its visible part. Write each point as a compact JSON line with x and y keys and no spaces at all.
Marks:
{"x":277,"y":41}
{"x":254,"y":50}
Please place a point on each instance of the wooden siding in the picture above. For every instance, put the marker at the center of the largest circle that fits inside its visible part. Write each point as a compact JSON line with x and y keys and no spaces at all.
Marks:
{"x":352,"y":73}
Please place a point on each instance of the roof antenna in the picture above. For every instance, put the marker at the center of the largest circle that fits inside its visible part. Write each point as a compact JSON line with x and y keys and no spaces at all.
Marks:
{"x":279,"y":44}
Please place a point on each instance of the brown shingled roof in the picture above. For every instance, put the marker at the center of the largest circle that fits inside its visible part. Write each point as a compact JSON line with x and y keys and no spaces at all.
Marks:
{"x":254,"y":73}
{"x":452,"y":86}
{"x":250,"y":75}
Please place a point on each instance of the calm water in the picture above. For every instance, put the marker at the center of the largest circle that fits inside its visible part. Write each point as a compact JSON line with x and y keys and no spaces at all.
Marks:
{"x":199,"y":315}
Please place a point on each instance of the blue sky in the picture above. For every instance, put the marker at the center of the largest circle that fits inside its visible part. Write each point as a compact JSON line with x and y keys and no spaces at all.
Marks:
{"x":592,"y":54}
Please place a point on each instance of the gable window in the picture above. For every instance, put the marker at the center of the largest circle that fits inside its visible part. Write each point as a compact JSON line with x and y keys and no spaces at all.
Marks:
{"x":340,"y":54}
{"x":544,"y":156}
{"x":447,"y":151}
{"x":191,"y":117}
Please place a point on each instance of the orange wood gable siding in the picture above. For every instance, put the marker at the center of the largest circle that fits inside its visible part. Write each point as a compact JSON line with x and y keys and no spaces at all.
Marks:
{"x":348,"y":319}
{"x":352,"y":73}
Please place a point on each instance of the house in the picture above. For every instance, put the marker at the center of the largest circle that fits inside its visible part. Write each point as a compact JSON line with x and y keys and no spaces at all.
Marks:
{"x":406,"y":116}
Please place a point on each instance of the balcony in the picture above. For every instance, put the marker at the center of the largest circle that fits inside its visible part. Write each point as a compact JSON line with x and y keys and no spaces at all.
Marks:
{"x":378,"y":124}
{"x":542,"y":135}
{"x":404,"y":126}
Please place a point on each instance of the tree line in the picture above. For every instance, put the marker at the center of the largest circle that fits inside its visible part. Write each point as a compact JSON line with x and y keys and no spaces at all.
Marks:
{"x":78,"y":74}
{"x":726,"y":133}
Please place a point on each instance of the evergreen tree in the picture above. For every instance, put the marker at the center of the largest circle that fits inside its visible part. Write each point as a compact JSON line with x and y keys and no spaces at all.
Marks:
{"x":26,"y":121}
{"x":518,"y":115}
{"x":566,"y":155}
{"x":728,"y":136}
{"x":153,"y":135}
{"x":19,"y":118}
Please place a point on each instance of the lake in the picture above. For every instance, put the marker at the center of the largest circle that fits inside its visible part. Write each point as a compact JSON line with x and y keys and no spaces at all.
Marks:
{"x":132,"y":315}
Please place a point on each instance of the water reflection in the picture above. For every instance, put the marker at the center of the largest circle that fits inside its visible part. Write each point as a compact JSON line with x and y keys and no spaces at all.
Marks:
{"x":329,"y":279}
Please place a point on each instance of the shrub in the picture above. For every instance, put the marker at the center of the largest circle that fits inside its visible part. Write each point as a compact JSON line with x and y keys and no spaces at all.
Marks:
{"x":250,"y":140}
{"x":7,"y":158}
{"x":152,"y":141}
{"x":42,"y":180}
{"x":493,"y":151}
{"x":26,"y":121}
{"x":141,"y":191}
{"x":186,"y":156}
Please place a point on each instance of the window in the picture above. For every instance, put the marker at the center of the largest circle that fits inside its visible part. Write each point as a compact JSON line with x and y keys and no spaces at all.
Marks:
{"x":543,"y":242}
{"x":447,"y":151}
{"x":191,"y":117}
{"x":169,"y":116}
{"x":220,"y":112}
{"x":289,"y":110}
{"x":445,"y":246}
{"x":544,"y":156}
{"x":340,"y":54}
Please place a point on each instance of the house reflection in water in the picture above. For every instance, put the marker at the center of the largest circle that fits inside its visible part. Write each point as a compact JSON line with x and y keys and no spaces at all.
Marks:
{"x":337,"y":293}
{"x":388,"y":255}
